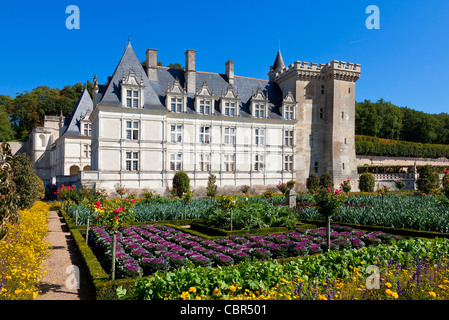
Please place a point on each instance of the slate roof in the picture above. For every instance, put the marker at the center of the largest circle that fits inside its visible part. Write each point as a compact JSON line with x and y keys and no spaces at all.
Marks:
{"x":72,"y":123}
{"x":278,"y":62}
{"x":155,"y":91}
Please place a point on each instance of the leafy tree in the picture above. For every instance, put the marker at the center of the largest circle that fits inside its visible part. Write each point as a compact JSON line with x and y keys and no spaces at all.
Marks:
{"x":6,"y":132}
{"x":427,"y":180}
{"x":176,"y":66}
{"x":30,"y":187}
{"x":181,"y":183}
{"x":211,"y":186}
{"x":367,"y":182}
{"x":313,"y":183}
{"x":326,"y":180}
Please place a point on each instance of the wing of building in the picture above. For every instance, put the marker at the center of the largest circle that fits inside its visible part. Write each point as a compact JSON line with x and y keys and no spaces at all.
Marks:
{"x":148,"y":122}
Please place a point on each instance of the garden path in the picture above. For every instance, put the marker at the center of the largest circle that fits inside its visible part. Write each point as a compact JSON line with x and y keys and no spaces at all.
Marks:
{"x":59,"y":283}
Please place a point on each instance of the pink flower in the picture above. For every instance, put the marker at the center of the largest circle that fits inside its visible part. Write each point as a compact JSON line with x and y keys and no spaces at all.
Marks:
{"x":337,"y":192}
{"x":133,"y":200}
{"x":117,"y":210}
{"x":97,"y":204}
{"x":116,"y":217}
{"x":329,"y":188}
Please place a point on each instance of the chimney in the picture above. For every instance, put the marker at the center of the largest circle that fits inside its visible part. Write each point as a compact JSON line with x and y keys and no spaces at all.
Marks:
{"x":230,"y":71}
{"x":190,"y":74}
{"x":151,"y":64}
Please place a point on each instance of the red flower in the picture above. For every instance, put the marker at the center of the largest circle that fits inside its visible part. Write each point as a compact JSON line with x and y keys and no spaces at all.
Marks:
{"x":116,"y":217}
{"x":97,"y":204}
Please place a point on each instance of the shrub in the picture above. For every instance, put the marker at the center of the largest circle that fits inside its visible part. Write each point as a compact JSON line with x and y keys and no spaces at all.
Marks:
{"x":326,"y":180}
{"x":367,"y":182}
{"x":427,"y":180}
{"x":211,"y":186}
{"x":8,"y":199}
{"x":181,"y":183}
{"x":313,"y":183}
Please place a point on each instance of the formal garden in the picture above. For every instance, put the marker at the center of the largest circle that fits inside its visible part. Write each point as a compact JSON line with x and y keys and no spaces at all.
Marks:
{"x":321,"y":244}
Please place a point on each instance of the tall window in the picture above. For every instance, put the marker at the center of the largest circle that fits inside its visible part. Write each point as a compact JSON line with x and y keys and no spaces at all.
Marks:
{"x":288,"y":112}
{"x":311,"y":140}
{"x":205,"y":106}
{"x":229,"y":136}
{"x":259,"y":110}
{"x":288,"y":138}
{"x":204,"y":162}
{"x":229,"y":109}
{"x":87,"y":151}
{"x":132,"y":130}
{"x":132,"y":161}
{"x":87,"y":127}
{"x":315,"y":167}
{"x":205,"y":134}
{"x":175,"y":161}
{"x":176,"y":133}
{"x":132,"y":98}
{"x":258,"y":162}
{"x":229,"y":162}
{"x":176,"y":105}
{"x":288,"y":163}
{"x":259,"y":136}
{"x":321,"y":113}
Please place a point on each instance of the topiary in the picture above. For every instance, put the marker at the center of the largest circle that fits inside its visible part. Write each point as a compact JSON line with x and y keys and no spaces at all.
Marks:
{"x":181,"y":183}
{"x":313,"y":183}
{"x":367,"y":182}
{"x":29,"y":186}
{"x":427,"y":180}
{"x":326,"y":180}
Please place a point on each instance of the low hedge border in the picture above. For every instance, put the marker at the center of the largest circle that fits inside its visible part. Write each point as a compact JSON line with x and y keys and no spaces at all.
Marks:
{"x":397,"y":231}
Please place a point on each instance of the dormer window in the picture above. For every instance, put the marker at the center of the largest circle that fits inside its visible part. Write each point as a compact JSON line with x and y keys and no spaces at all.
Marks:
{"x":204,"y":100}
{"x":288,"y":107}
{"x":132,"y":90}
{"x":176,"y":98}
{"x":87,"y":129}
{"x":229,"y":102}
{"x":259,"y":104}
{"x":132,"y":98}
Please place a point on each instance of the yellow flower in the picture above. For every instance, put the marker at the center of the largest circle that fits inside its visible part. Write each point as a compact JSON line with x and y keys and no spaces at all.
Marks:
{"x":192,"y":289}
{"x":322,"y":297}
{"x":388,"y":285}
{"x":185,"y":295}
{"x":217,"y":291}
{"x":232,"y":288}
{"x":388,"y":291}
{"x":432,"y":294}
{"x":394,"y":294}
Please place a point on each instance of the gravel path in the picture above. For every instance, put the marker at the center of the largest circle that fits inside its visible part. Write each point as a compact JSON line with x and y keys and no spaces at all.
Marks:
{"x":63,"y":265}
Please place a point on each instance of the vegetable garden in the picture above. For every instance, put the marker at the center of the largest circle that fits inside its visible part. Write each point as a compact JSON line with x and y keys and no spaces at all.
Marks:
{"x":255,"y":247}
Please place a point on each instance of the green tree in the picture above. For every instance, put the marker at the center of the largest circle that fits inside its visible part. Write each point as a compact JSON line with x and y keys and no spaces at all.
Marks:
{"x":326,"y":180}
{"x":6,"y":132}
{"x":313,"y":183}
{"x":181,"y":183}
{"x":427,"y":180}
{"x":29,"y":186}
{"x":367,"y":182}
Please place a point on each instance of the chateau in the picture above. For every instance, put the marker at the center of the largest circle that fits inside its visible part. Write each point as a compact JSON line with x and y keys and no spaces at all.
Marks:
{"x":148,"y":121}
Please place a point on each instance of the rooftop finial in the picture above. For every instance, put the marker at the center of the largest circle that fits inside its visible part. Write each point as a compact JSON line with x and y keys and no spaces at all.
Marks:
{"x":129,"y":38}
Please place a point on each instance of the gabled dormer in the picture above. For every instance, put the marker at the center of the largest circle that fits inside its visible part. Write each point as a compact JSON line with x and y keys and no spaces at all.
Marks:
{"x":288,"y":106}
{"x":85,"y":124}
{"x":259,"y":104}
{"x":132,"y":89}
{"x":176,"y":98}
{"x":205,"y":100}
{"x":229,"y":102}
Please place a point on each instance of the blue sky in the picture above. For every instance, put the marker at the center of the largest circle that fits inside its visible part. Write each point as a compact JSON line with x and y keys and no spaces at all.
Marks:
{"x":403,"y":62}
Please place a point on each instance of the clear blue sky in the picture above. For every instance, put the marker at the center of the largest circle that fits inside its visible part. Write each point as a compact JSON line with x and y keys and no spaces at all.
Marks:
{"x":404,"y":62}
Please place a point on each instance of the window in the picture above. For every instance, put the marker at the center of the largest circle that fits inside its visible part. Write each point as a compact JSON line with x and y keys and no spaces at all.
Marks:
{"x":176,"y":105}
{"x":205,"y":134}
{"x":288,"y":163}
{"x":288,"y":112}
{"x":132,"y":161}
{"x":87,"y":150}
{"x":322,"y":89}
{"x":87,"y":129}
{"x":343,"y":115}
{"x":132,"y":98}
{"x":175,"y":161}
{"x":229,"y":162}
{"x":343,"y":166}
{"x":176,"y":133}
{"x":258,"y":162}
{"x":322,"y":113}
{"x":311,"y":140}
{"x":345,"y":141}
{"x":349,"y":90}
{"x":260,"y":136}
{"x":204,"y":106}
{"x":259,"y":110}
{"x":204,"y":162}
{"x":316,"y":167}
{"x":288,"y":138}
{"x":229,"y":136}
{"x":229,"y":109}
{"x":132,"y":130}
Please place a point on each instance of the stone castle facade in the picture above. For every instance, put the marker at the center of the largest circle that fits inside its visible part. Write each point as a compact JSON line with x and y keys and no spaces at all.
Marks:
{"x":150,"y":121}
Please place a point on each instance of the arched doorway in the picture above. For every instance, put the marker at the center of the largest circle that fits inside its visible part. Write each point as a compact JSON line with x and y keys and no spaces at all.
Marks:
{"x":74,"y":170}
{"x":86,"y":168}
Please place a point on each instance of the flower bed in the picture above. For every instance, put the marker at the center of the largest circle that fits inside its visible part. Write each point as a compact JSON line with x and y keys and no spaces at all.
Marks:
{"x":145,"y":249}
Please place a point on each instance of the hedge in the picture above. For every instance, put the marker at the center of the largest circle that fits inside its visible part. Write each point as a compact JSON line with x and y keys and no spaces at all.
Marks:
{"x":365,"y":145}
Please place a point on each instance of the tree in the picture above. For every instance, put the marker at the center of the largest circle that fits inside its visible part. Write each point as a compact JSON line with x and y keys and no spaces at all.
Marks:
{"x":6,"y":132}
{"x":211,"y":187}
{"x":367,"y":182}
{"x":175,"y":66}
{"x":181,"y":183}
{"x":326,"y":180}
{"x":427,"y":180}
{"x":313,"y":183}
{"x":29,"y":186}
